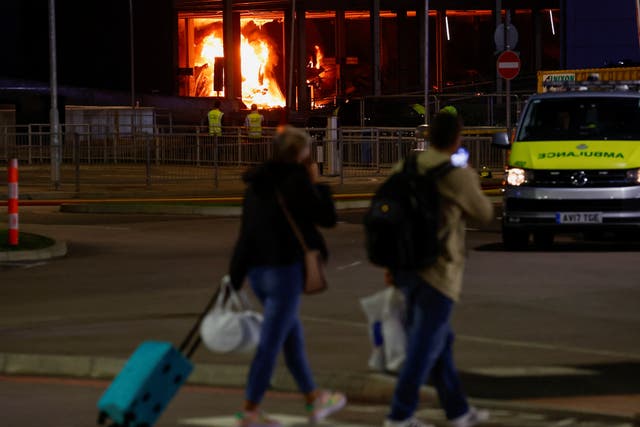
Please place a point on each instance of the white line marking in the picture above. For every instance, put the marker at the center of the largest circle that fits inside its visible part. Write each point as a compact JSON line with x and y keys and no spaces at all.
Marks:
{"x":353,"y":264}
{"x":508,"y":65}
{"x":530,"y":371}
{"x":286,"y":420}
{"x":37,"y":264}
{"x":499,"y":342}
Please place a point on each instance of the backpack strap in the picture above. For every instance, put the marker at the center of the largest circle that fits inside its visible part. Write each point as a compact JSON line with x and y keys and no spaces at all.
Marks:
{"x":441,"y":170}
{"x":411,"y":164}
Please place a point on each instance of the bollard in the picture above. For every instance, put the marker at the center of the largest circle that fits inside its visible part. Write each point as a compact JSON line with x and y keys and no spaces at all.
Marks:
{"x":13,"y":202}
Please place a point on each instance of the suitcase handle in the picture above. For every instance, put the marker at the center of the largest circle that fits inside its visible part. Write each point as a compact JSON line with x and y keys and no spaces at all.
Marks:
{"x":194,"y":329}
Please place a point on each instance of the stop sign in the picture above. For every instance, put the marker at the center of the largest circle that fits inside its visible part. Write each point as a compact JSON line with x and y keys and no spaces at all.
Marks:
{"x":508,"y":65}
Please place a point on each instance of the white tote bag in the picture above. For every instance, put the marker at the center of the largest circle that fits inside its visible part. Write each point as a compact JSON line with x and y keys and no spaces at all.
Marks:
{"x":386,"y":312}
{"x":231,"y":326}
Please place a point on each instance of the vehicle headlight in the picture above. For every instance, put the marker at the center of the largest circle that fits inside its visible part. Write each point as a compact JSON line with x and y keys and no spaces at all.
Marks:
{"x":516,"y":177}
{"x":633,"y":176}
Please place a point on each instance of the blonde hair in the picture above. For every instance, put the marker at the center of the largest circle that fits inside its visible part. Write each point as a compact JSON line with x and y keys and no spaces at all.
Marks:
{"x":288,"y":143}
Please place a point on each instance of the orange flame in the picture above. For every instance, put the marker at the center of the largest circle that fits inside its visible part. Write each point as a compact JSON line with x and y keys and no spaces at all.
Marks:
{"x":319,"y":57}
{"x":259,"y":85}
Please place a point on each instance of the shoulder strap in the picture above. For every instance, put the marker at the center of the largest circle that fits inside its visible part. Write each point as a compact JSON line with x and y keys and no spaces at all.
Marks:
{"x":291,"y":221}
{"x":441,"y":170}
{"x":411,"y":164}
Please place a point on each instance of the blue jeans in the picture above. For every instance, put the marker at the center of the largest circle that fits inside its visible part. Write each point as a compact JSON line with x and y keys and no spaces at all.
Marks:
{"x":279,"y":289}
{"x":429,"y":350}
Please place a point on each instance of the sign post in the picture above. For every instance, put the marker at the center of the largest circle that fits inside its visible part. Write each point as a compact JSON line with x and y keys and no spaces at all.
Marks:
{"x":13,"y":202}
{"x":509,"y":67}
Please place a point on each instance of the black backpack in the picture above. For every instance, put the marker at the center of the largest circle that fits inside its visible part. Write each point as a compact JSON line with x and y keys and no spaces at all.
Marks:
{"x":402,"y":223}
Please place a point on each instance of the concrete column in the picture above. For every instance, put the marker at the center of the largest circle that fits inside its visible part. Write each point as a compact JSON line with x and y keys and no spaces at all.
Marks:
{"x":440,"y":45}
{"x":290,"y":91}
{"x":231,"y":40}
{"x":190,"y":55}
{"x":341,"y":49}
{"x":421,"y":33}
{"x":403,"y":54}
{"x":301,"y":44}
{"x":375,"y":42}
{"x":237,"y":53}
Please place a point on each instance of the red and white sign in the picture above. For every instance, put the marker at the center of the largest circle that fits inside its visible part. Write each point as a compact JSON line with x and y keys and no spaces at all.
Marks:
{"x":509,"y":65}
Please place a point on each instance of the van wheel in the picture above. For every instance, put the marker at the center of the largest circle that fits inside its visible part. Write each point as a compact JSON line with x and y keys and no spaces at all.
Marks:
{"x":543,"y":239}
{"x":515,"y":239}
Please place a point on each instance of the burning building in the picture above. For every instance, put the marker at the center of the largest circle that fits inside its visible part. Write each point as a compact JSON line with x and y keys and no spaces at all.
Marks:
{"x":266,"y":53}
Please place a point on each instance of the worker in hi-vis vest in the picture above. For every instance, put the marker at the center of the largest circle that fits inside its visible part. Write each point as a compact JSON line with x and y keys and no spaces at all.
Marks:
{"x":253,"y":123}
{"x":215,"y":120}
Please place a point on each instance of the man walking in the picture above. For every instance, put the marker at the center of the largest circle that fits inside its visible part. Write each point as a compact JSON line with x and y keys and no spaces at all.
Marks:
{"x":432,"y":293}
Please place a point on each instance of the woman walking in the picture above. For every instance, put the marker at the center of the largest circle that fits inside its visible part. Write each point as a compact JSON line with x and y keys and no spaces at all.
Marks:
{"x":268,"y":253}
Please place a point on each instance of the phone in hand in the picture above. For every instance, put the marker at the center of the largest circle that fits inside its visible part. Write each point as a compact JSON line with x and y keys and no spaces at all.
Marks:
{"x":460,"y":158}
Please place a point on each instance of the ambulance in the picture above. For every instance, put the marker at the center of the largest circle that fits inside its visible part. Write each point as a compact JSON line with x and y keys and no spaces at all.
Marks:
{"x":573,"y":163}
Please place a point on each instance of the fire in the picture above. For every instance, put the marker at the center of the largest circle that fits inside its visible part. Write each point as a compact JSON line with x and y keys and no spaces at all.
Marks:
{"x":259,"y":85}
{"x":319,"y":57}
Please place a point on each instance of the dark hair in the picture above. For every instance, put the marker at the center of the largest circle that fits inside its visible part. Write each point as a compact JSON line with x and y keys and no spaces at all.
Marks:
{"x":444,"y":130}
{"x":217,"y":103}
{"x":289,"y":143}
{"x":254,"y":107}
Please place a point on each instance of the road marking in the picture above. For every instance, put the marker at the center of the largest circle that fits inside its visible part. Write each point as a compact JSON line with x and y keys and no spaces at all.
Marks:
{"x":499,"y":342}
{"x":23,"y":265}
{"x":286,"y":420}
{"x":542,"y":346}
{"x":530,"y":371}
{"x":353,"y":264}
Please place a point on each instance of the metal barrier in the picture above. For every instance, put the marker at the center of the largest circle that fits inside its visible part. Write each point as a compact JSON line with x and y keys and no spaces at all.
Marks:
{"x":91,"y":155}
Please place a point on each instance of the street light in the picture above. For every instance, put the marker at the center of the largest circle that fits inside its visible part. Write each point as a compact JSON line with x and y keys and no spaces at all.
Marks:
{"x":426,"y":62}
{"x":132,"y":46}
{"x":54,"y":118}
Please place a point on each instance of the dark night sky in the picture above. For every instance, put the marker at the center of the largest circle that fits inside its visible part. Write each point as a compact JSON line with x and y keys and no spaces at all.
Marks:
{"x":93,"y":42}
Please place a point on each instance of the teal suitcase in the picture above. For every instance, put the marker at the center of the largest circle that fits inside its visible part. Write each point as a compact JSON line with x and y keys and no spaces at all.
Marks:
{"x":149,"y":380}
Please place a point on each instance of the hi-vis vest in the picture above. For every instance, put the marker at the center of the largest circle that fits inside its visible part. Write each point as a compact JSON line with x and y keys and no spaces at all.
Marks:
{"x":215,"y":122}
{"x":254,"y":125}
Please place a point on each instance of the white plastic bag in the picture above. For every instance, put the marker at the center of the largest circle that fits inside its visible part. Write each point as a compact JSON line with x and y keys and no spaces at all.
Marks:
{"x":231,"y":326}
{"x":386,"y":312}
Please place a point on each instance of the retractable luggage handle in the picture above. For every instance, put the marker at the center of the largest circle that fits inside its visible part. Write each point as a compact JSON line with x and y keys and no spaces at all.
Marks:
{"x":194,"y":330}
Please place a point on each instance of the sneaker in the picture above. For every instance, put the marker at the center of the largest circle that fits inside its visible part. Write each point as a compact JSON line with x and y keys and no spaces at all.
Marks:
{"x":472,"y":418}
{"x":411,"y":422}
{"x":255,"y":419}
{"x":326,"y":403}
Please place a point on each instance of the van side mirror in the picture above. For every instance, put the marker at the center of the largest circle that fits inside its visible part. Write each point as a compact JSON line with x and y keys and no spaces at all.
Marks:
{"x":501,"y":140}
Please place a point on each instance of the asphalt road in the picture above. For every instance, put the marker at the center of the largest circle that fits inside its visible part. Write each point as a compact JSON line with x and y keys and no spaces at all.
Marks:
{"x":565,"y":322}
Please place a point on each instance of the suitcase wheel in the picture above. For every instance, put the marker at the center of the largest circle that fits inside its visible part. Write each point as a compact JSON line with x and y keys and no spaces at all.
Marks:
{"x":102,"y":417}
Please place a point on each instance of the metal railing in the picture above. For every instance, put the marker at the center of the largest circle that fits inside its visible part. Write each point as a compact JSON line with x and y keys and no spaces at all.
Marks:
{"x":93,"y":156}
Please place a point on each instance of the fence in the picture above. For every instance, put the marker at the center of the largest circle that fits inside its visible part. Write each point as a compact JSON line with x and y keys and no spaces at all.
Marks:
{"x":93,"y":156}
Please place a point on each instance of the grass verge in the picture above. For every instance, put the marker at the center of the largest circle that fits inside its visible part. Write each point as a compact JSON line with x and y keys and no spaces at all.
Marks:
{"x":27,"y":242}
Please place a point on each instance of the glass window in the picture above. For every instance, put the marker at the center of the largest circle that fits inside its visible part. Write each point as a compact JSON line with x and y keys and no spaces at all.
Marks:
{"x":582,"y":118}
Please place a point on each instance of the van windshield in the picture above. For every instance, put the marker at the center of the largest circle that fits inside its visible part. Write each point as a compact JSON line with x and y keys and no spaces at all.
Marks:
{"x":582,"y":118}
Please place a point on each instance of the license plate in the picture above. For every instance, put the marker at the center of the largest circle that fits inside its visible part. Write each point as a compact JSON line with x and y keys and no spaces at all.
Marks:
{"x":579,"y":218}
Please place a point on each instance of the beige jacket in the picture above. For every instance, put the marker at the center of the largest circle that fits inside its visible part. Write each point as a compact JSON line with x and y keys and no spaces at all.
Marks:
{"x":463,"y":200}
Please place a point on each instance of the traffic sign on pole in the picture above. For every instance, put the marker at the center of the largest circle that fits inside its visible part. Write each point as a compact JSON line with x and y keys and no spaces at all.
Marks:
{"x":509,"y":65}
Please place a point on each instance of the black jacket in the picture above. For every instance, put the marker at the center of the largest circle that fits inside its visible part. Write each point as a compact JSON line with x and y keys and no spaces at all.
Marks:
{"x":266,"y":238}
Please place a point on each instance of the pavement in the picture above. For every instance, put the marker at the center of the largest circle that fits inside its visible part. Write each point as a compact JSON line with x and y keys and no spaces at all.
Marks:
{"x":557,"y":334}
{"x":129,"y":182}
{"x":64,"y":402}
